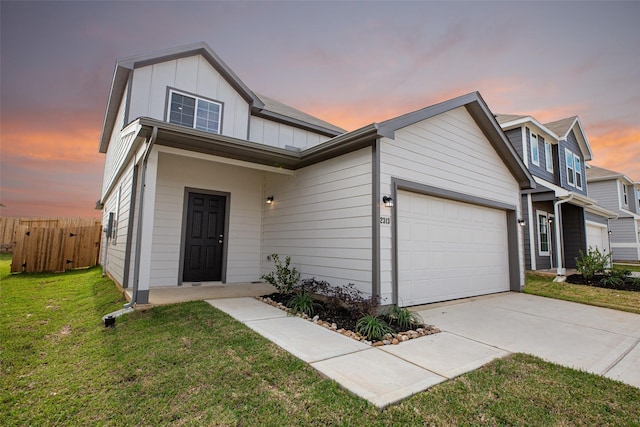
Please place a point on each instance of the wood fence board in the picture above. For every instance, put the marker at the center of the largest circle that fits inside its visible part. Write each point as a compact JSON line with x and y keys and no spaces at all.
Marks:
{"x":40,"y":249}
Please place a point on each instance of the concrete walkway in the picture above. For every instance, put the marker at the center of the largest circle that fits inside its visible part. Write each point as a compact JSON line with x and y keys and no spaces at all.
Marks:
{"x":475,"y":331}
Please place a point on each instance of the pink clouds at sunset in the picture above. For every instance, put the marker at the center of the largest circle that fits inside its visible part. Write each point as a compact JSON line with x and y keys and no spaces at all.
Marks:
{"x":350,"y":63}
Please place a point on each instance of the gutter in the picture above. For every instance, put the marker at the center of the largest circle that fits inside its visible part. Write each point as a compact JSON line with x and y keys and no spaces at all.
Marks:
{"x":561,"y":270}
{"x":136,"y":267}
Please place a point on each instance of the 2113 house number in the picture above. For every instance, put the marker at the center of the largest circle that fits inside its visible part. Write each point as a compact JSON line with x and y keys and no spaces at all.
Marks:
{"x":385,"y":220}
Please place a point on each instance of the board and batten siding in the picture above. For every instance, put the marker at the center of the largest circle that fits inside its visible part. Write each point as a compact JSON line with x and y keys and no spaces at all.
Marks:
{"x":321,"y":217}
{"x":175,"y":174}
{"x":280,"y":135}
{"x":447,"y":151}
{"x":118,"y":202}
{"x":193,"y":75}
{"x":571,"y":143}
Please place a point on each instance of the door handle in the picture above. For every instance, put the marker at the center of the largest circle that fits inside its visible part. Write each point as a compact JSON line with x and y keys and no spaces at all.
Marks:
{"x":220,"y":239}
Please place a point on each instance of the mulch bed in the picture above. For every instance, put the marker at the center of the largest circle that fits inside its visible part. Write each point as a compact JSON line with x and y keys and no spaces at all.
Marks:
{"x":628,"y":284}
{"x":343,"y":321}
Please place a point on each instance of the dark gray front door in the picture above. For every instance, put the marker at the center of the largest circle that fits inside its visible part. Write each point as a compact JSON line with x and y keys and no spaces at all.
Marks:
{"x":204,"y":243}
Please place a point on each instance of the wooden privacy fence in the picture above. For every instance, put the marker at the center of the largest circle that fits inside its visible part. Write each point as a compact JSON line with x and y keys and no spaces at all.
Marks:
{"x":41,"y":249}
{"x":9,"y":226}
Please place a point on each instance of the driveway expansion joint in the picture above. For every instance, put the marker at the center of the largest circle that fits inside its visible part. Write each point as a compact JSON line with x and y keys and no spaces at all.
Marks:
{"x":622,"y":356}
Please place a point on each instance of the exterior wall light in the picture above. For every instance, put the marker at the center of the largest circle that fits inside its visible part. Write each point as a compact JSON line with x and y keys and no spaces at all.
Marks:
{"x":522,"y":222}
{"x":388,"y":201}
{"x":609,"y":232}
{"x":269,"y":200}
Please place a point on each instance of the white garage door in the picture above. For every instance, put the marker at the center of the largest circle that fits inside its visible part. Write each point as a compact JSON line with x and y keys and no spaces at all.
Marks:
{"x":597,"y":236}
{"x":449,"y":249}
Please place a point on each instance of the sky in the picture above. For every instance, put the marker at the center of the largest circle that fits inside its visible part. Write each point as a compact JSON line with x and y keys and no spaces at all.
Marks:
{"x":350,"y":63}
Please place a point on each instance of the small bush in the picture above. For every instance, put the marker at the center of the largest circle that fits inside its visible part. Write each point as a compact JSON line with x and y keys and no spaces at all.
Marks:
{"x":373,"y":327}
{"x":612,"y":281}
{"x":303,"y":302}
{"x":284,"y":278}
{"x":404,"y":318}
{"x":348,"y":297}
{"x":592,"y":263}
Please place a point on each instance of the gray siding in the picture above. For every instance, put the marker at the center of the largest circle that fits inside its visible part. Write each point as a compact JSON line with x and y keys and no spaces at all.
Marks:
{"x":605,"y":193}
{"x":588,"y":216}
{"x":572,"y":144}
{"x":515,"y":137}
{"x":623,"y":231}
{"x":574,"y":233}
{"x":540,"y":171}
{"x":525,"y":235}
{"x":624,"y":254}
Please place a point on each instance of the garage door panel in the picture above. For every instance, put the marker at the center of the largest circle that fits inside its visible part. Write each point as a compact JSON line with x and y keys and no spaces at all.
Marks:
{"x":449,"y":249}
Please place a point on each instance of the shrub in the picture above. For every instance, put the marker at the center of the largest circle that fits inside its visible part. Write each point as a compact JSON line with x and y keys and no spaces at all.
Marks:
{"x":303,"y":302}
{"x":404,"y":318}
{"x":592,"y":263}
{"x":347,"y":297}
{"x":284,"y":278}
{"x":373,"y":327}
{"x":612,"y":281}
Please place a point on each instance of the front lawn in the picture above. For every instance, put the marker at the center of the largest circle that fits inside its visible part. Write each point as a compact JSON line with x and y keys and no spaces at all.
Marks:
{"x":610,"y":298}
{"x":630,"y":267}
{"x":190,"y":364}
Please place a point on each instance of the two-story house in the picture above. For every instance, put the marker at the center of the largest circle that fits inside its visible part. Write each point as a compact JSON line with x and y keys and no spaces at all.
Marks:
{"x":619,"y":193}
{"x":204,"y":179}
{"x":559,"y":220}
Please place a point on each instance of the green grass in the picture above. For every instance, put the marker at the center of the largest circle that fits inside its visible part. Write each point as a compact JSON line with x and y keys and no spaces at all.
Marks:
{"x":610,"y":298}
{"x":190,"y":364}
{"x":626,"y":267}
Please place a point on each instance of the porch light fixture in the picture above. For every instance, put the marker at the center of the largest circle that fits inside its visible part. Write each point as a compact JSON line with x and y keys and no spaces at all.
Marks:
{"x":609,"y":232}
{"x":388,"y":201}
{"x":522,"y":222}
{"x":550,"y":220}
{"x":269,"y":200}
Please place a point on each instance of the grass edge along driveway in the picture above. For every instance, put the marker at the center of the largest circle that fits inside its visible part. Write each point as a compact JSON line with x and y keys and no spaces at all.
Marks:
{"x":190,"y":364}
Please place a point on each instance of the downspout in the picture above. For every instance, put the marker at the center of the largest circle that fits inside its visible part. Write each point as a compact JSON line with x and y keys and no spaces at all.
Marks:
{"x":561,"y":271}
{"x":136,"y":266}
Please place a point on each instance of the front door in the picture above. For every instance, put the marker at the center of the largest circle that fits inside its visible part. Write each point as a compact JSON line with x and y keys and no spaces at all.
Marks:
{"x":204,"y":240}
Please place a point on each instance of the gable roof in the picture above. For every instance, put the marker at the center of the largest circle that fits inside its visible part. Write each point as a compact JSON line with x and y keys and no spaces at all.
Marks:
{"x":595,"y":173}
{"x":274,"y":109}
{"x":271,"y":109}
{"x":563,"y":127}
{"x":559,"y":129}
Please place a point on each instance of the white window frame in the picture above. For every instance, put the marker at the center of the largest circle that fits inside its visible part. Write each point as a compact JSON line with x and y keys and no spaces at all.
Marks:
{"x":571,"y":177}
{"x":546,"y":216}
{"x":198,"y":100}
{"x":625,"y":197}
{"x":533,"y":143}
{"x":548,"y":156}
{"x":577,"y":171}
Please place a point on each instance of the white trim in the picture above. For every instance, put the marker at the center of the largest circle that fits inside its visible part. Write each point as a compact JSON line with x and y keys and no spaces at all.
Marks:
{"x":625,"y":245}
{"x":568,"y":155}
{"x":525,"y":147}
{"x":148,"y":214}
{"x":546,"y":216}
{"x":548,"y":156}
{"x":532,"y":242}
{"x":534,"y":147}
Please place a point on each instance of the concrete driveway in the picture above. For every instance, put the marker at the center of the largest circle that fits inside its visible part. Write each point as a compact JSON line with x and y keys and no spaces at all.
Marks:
{"x":593,"y":339}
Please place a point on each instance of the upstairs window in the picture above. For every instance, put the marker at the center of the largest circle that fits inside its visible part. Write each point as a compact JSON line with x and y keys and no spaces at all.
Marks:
{"x":571,"y":172}
{"x":194,"y":112}
{"x":578,"y":167}
{"x":625,"y":198}
{"x":544,"y":241}
{"x":548,"y":156}
{"x":533,"y":140}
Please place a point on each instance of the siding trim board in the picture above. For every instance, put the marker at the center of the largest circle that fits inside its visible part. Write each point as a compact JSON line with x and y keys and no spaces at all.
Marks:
{"x":375,"y":219}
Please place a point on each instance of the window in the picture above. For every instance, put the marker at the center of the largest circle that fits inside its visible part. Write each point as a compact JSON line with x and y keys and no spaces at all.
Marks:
{"x":533,"y":140}
{"x":578,"y":168}
{"x":548,"y":156}
{"x":638,"y":200}
{"x":571,"y":173}
{"x":544,"y":240}
{"x":625,"y":198}
{"x":194,"y":112}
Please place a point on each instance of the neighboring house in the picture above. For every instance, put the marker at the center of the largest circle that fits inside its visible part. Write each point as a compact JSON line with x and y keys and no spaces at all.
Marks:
{"x":559,"y":219}
{"x":619,"y":193}
{"x":204,"y":180}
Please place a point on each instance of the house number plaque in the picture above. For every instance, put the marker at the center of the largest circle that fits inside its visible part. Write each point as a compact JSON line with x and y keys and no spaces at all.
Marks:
{"x":385,"y":220}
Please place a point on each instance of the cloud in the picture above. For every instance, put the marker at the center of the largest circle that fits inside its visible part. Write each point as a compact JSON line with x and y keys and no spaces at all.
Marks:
{"x":618,"y":150}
